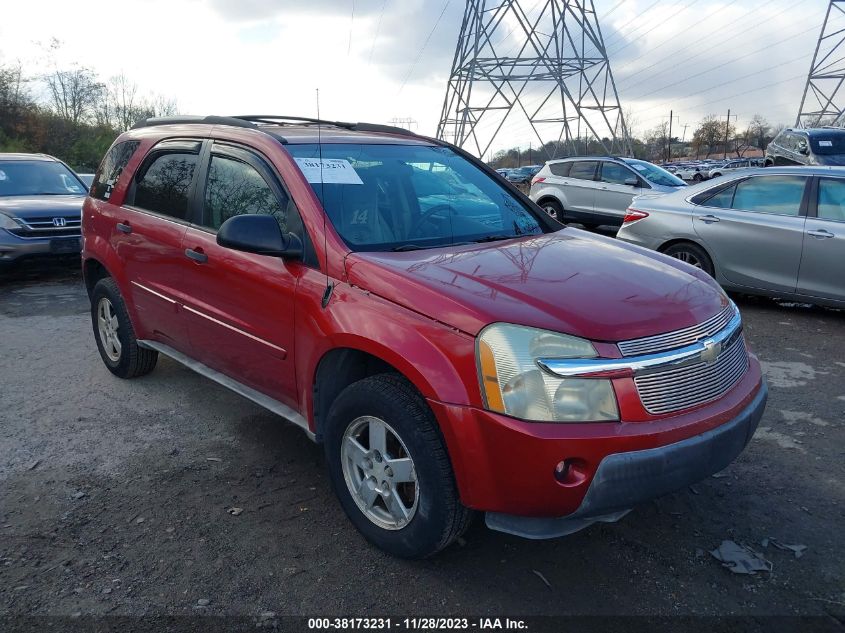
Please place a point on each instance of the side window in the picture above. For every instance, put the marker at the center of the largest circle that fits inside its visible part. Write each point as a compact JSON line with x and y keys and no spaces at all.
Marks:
{"x":832,"y":199}
{"x":111,"y":168}
{"x":583,"y":170}
{"x":720,"y":200}
{"x":770,"y":194}
{"x":163,"y":186}
{"x":236,"y":188}
{"x":560,"y":169}
{"x":615,"y":174}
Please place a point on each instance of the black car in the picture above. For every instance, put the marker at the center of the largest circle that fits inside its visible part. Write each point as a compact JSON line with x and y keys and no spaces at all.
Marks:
{"x":812,"y":146}
{"x":40,"y":207}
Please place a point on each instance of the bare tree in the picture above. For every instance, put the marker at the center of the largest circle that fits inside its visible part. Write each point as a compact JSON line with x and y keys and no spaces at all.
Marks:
{"x":74,"y":93}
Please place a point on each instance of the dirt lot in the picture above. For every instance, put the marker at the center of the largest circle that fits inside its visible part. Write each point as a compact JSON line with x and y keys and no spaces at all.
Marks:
{"x":115,"y":497}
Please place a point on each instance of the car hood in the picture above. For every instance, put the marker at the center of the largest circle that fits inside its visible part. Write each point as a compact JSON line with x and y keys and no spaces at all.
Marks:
{"x":26,"y":207}
{"x":570,"y":281}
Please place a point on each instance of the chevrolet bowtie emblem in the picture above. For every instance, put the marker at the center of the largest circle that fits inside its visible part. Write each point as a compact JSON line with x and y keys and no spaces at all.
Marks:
{"x":711,"y":351}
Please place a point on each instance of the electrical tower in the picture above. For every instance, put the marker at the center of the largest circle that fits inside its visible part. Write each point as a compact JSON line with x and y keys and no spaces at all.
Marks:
{"x":824,"y":95}
{"x":539,"y":73}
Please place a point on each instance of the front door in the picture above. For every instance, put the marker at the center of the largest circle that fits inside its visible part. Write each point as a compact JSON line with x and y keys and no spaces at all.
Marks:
{"x":824,"y":243}
{"x":754,"y":230}
{"x":240,"y":308}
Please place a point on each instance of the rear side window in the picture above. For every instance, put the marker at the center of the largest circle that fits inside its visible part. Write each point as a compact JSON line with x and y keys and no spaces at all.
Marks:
{"x":721,"y":199}
{"x":110,"y":169}
{"x":583,"y":170}
{"x":832,"y":199}
{"x":560,"y":169}
{"x":770,"y":194}
{"x":163,"y":187}
{"x":235,"y":188}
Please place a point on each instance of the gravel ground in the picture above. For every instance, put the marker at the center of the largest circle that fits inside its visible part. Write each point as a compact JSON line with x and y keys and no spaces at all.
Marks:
{"x":117,"y":497}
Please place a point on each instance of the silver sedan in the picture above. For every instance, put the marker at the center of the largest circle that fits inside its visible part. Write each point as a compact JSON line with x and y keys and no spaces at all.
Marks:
{"x":778,"y":231}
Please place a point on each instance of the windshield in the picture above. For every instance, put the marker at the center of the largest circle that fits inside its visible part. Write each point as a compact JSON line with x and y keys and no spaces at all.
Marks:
{"x":828,"y":144}
{"x":37,"y":178}
{"x":655,"y":174}
{"x":404,"y":197}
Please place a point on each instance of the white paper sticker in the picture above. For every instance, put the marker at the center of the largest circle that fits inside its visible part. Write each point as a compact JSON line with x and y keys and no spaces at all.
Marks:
{"x":825,"y":143}
{"x":335,"y":171}
{"x":2,"y":175}
{"x":638,"y":167}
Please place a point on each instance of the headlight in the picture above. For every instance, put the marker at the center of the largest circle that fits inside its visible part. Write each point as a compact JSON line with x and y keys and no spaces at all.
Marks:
{"x":513,"y":383}
{"x":8,"y":223}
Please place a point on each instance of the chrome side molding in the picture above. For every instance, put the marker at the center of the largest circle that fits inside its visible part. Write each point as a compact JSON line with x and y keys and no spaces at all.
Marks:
{"x":705,"y":351}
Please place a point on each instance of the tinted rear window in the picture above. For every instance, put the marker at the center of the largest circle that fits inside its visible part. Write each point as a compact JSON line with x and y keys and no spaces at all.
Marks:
{"x":828,"y":144}
{"x":110,"y":169}
{"x":163,"y":187}
{"x":583,"y":170}
{"x":560,"y":169}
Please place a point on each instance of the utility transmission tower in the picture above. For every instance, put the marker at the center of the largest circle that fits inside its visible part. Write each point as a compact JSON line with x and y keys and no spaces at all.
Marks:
{"x":539,"y":73}
{"x":824,"y":95}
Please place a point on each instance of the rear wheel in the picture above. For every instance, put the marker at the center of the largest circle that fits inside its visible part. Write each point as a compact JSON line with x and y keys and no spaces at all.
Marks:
{"x":691,"y":254}
{"x":114,"y":333}
{"x":390,"y":470}
{"x":697,"y":178}
{"x":554,"y":209}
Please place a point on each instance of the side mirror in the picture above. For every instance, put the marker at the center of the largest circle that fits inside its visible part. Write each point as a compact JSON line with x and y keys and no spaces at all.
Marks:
{"x":633,"y":182}
{"x":259,"y":234}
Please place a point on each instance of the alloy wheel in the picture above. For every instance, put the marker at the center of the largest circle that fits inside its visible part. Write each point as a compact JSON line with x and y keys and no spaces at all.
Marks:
{"x":379,"y":473}
{"x":688,"y":258}
{"x":107,"y":325}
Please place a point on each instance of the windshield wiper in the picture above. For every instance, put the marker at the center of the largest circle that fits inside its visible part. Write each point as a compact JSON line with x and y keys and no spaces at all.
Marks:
{"x":494,"y":238}
{"x":409,"y":247}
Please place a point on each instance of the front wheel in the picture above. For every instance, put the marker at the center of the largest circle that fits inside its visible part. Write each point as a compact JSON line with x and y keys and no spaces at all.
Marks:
{"x":390,"y":470}
{"x":691,"y":254}
{"x":697,"y":178}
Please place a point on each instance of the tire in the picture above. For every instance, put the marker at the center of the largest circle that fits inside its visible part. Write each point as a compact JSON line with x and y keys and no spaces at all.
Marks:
{"x":116,"y":342}
{"x":692,"y":254}
{"x":716,"y":175}
{"x":431,"y":515}
{"x":553,"y":209}
{"x":697,"y":178}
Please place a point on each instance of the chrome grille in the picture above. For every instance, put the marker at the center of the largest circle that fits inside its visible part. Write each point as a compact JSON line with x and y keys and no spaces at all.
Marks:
{"x":678,"y":338}
{"x":44,"y":227}
{"x":676,"y":389}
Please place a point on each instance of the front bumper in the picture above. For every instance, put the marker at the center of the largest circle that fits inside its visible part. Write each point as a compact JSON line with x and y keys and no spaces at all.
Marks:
{"x":13,"y":248}
{"x":624,"y":480}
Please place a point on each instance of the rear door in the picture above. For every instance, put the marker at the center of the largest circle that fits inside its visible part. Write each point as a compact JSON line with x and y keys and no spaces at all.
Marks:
{"x":580,"y":187}
{"x":824,"y":242}
{"x":148,"y":235}
{"x":240,"y":306}
{"x":613,"y":196}
{"x":754,"y":230}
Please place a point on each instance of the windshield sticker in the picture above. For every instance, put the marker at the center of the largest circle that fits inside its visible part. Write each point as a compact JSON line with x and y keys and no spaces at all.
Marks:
{"x":825,"y":143}
{"x":2,"y":175}
{"x":335,"y":171}
{"x":638,"y":167}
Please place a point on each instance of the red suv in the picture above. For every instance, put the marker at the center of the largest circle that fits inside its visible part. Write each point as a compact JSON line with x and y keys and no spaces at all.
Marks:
{"x":451,"y":346}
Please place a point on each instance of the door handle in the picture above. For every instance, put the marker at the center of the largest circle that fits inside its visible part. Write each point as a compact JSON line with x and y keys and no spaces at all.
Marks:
{"x":197,"y":255}
{"x":709,"y":219}
{"x":820,"y":234}
{"x":124,"y":228}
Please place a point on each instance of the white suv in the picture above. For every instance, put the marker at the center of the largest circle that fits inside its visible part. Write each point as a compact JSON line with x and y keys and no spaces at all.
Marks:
{"x":596,"y":190}
{"x":730,"y":165}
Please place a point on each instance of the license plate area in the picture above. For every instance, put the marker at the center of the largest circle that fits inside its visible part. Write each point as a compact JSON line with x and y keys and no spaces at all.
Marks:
{"x":65,"y":245}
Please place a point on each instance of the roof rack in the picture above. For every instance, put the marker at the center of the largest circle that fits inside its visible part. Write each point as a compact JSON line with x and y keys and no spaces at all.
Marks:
{"x":250,"y":121}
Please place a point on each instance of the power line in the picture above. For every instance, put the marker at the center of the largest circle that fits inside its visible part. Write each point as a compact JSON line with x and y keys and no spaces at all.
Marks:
{"x":378,"y":30}
{"x":351,"y":26}
{"x":656,"y":26}
{"x":419,"y":56}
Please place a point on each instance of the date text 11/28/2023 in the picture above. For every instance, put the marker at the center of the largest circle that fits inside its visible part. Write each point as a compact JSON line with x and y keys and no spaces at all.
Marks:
{"x":416,"y":624}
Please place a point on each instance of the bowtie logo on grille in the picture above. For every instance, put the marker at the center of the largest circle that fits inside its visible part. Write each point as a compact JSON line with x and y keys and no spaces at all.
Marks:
{"x":59,"y":222}
{"x":711,"y":351}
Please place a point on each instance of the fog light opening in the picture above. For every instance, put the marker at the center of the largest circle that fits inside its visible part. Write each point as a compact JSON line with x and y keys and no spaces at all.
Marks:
{"x":570,"y":472}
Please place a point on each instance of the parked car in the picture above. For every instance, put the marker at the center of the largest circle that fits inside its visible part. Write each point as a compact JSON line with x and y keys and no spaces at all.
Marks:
{"x":523,"y":175}
{"x":692,"y":172}
{"x":813,"y":146}
{"x":727,"y":166}
{"x":40,"y":205}
{"x":545,"y":376}
{"x":775,"y":231}
{"x":596,"y":190}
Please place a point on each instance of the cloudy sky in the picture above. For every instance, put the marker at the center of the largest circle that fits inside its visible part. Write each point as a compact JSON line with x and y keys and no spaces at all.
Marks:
{"x":376,"y":60}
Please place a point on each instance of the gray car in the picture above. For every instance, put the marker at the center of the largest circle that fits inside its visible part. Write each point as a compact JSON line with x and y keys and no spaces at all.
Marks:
{"x":778,"y":231}
{"x":596,"y":190}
